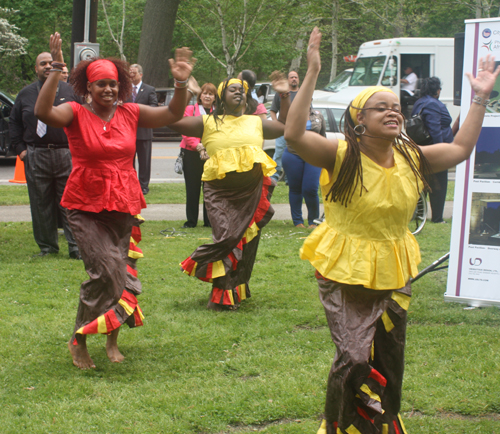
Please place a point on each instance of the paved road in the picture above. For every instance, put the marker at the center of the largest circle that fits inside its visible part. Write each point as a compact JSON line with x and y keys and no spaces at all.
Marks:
{"x":162,"y":165}
{"x":22,"y":213}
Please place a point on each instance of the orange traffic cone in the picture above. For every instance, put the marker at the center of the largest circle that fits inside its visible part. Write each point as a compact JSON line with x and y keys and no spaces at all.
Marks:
{"x":19,"y":176}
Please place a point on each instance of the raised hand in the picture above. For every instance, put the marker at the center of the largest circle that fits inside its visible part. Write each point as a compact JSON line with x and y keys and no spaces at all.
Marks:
{"x":279,"y":82}
{"x":486,"y":77}
{"x":183,"y":64}
{"x":313,"y":57}
{"x":55,"y":44}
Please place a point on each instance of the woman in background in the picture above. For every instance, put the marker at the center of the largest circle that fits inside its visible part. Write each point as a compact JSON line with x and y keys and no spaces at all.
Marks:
{"x":303,"y":178}
{"x":194,"y":160}
{"x":437,"y":120}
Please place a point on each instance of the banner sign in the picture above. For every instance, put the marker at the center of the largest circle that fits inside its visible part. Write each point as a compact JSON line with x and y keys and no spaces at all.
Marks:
{"x":474,"y":271}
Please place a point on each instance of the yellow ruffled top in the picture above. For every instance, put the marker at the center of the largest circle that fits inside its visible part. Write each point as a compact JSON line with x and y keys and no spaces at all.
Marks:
{"x":234,"y":145}
{"x":368,"y":242}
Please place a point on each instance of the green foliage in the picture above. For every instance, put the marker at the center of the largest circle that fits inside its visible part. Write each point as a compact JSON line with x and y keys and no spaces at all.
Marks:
{"x":274,"y":48}
{"x":36,"y":20}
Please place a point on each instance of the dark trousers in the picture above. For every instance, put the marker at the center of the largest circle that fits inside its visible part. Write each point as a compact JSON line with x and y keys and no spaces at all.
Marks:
{"x":368,"y":328}
{"x":437,"y":197}
{"x":47,"y":171}
{"x":193,"y":169}
{"x":143,"y":149}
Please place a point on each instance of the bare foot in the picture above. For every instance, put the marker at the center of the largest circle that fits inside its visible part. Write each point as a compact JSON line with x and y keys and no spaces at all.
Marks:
{"x":81,"y":357}
{"x":112,"y":351}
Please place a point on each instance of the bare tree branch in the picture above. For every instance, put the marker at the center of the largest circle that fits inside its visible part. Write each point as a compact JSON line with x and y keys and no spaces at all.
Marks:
{"x":119,"y":44}
{"x":202,"y":41}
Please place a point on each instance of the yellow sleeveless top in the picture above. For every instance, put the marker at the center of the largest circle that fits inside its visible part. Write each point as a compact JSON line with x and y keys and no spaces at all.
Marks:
{"x":235,"y":145}
{"x":368,"y":242}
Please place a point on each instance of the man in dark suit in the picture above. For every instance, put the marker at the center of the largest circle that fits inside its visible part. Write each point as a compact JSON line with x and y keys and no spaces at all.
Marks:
{"x":47,"y":160}
{"x":143,"y":94}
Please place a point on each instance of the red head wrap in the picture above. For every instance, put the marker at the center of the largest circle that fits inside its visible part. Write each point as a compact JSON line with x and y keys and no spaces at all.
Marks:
{"x":101,"y":69}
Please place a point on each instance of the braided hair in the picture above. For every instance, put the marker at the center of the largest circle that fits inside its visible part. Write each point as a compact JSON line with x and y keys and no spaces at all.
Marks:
{"x":351,"y":171}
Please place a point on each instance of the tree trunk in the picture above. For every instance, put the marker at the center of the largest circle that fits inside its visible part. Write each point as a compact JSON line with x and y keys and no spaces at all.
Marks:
{"x":335,"y":39}
{"x":478,"y":9}
{"x":299,"y":45}
{"x":156,"y":40}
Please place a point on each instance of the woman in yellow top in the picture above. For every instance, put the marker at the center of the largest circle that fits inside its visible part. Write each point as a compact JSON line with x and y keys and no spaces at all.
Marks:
{"x":237,"y":190}
{"x":364,"y":253}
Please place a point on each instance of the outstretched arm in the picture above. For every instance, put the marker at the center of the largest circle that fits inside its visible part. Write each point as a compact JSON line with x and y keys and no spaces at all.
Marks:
{"x":313,"y":148}
{"x":62,"y":115}
{"x":181,"y":67}
{"x":442,"y":156}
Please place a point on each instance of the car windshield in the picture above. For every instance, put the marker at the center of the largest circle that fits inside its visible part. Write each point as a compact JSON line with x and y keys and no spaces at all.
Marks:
{"x":367,"y":71}
{"x":341,"y":81}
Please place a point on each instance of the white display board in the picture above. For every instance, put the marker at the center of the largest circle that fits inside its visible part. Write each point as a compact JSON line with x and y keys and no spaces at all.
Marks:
{"x":474,"y":271}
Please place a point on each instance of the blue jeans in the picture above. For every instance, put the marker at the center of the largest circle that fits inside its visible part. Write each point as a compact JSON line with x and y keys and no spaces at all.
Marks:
{"x":303,"y":183}
{"x":280,"y":146}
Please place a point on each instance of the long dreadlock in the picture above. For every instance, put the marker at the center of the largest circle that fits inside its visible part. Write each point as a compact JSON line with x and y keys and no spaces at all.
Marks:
{"x":351,"y":171}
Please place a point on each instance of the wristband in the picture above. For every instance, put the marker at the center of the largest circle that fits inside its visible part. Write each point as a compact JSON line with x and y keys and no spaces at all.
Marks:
{"x":58,"y":64}
{"x":479,"y":100}
{"x":284,"y":95}
{"x":56,"y":70}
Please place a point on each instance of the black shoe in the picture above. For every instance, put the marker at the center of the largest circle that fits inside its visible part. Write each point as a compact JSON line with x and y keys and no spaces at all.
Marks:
{"x":75,"y":255}
{"x":41,"y":254}
{"x":188,"y":226}
{"x":145,"y":191}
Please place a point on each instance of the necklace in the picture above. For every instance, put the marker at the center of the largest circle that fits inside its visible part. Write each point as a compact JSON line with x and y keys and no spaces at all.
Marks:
{"x":103,"y":122}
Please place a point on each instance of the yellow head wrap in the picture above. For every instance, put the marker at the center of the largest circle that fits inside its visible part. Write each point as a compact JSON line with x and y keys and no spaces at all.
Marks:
{"x":361,"y":99}
{"x":229,"y":83}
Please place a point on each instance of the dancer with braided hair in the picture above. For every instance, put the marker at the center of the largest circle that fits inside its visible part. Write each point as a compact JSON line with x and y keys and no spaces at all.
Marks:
{"x":237,"y":190}
{"x":363,"y":253}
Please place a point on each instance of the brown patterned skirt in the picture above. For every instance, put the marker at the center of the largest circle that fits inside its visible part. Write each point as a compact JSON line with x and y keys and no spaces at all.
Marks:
{"x":238,"y":208}
{"x":107,"y":242}
{"x":368,"y":328}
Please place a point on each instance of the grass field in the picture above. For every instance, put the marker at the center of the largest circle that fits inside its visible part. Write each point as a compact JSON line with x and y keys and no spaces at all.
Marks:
{"x":189,"y":370}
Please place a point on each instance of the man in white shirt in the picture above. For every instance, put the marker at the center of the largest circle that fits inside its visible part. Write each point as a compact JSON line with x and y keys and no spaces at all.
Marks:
{"x":409,"y":81}
{"x":408,"y":84}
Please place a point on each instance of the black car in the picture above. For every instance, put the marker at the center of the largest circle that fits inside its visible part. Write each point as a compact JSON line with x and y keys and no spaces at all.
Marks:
{"x":6,"y":104}
{"x":164,"y":96}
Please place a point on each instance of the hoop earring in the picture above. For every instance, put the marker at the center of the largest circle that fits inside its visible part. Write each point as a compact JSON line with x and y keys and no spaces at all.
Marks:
{"x":359,"y":133}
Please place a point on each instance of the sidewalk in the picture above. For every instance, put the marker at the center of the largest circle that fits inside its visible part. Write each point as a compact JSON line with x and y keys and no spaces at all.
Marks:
{"x":22,"y":213}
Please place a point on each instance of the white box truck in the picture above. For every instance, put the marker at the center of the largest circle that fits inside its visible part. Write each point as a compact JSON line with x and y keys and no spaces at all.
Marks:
{"x":380,"y":63}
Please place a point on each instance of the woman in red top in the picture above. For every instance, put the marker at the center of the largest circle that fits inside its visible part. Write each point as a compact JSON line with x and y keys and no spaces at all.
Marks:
{"x":103,"y":194}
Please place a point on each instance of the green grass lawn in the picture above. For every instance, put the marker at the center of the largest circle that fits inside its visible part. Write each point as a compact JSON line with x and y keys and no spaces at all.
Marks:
{"x":189,"y":370}
{"x":158,"y":193}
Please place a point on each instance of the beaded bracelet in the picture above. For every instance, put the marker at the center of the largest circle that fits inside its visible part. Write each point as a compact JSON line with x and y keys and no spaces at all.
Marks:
{"x":56,"y":70}
{"x":58,"y":64}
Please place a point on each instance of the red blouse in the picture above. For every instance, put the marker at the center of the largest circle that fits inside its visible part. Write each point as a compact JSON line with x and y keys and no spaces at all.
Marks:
{"x":103,"y":175}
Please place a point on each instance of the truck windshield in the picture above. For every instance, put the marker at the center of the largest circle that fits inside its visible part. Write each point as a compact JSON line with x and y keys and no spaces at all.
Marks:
{"x":367,"y":71}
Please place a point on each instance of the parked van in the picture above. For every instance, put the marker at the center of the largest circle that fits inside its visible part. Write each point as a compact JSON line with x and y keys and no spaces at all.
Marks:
{"x":381,"y":63}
